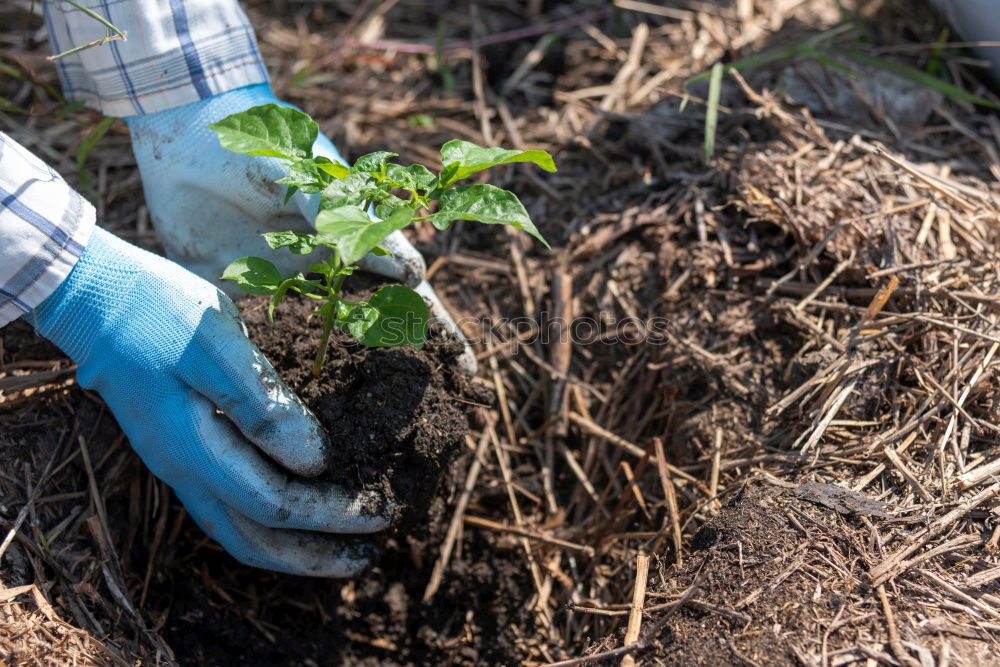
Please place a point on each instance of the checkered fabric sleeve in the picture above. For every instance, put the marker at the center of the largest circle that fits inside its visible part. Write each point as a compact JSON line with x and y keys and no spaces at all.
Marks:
{"x":176,"y":52}
{"x":44,"y":226}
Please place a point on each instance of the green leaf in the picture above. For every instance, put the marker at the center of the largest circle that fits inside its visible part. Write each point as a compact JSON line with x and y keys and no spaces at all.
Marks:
{"x":412,"y":177}
{"x":300,"y":244}
{"x":9,"y":107}
{"x":385,"y":208}
{"x":311,"y":175}
{"x":335,"y":169}
{"x":254,"y":275}
{"x":752,"y":62}
{"x":324,"y":267}
{"x":301,"y":180}
{"x":87,"y":145}
{"x":463,"y":158}
{"x":268,"y":131}
{"x":350,"y":191}
{"x":344,"y":309}
{"x":298,"y":283}
{"x":419,"y":120}
{"x":712,"y":112}
{"x":393,"y":316}
{"x":373,"y":163}
{"x":355,"y":233}
{"x":331,"y":268}
{"x":356,"y":318}
{"x":276,"y":299}
{"x":483,"y":203}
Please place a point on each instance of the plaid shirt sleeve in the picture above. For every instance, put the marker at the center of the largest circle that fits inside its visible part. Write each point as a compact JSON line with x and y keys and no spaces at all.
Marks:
{"x":176,"y":52}
{"x":44,"y":226}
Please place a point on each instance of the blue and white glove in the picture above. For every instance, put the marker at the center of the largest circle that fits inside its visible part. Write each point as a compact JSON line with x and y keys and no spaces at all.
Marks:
{"x":210,"y":206}
{"x":206,"y":412}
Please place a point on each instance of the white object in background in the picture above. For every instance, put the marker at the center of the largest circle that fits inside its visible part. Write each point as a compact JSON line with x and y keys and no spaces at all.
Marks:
{"x":976,"y":21}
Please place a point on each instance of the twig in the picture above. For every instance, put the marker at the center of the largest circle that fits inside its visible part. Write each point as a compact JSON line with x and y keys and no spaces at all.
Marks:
{"x":897,"y":463}
{"x":894,"y":643}
{"x":978,"y":474}
{"x":670,"y":495}
{"x":561,"y":353}
{"x":964,"y":597}
{"x":488,"y":40}
{"x":638,"y":599}
{"x":95,"y":492}
{"x":712,"y":110}
{"x":21,"y":382}
{"x":655,"y":9}
{"x":597,"y":657}
{"x":531,"y":535}
{"x":515,"y":506}
{"x":889,"y":567}
{"x":630,"y":447}
{"x":652,"y":633}
{"x":713,"y":477}
{"x":632,"y":63}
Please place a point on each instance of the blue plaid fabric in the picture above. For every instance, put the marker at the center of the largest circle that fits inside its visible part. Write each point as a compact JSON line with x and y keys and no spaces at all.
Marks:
{"x":44,"y":226}
{"x":176,"y":52}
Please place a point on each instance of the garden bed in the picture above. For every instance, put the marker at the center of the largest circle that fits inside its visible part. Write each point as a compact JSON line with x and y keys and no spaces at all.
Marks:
{"x":818,"y":306}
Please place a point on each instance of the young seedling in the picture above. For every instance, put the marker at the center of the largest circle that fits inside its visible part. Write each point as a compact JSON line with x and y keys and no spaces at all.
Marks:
{"x":345,"y":230}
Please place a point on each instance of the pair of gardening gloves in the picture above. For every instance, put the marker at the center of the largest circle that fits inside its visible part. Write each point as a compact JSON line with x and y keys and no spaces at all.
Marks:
{"x":167,"y":351}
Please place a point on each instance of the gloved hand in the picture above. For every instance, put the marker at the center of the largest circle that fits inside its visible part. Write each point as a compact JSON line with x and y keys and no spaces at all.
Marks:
{"x":210,"y":206}
{"x":205,"y":411}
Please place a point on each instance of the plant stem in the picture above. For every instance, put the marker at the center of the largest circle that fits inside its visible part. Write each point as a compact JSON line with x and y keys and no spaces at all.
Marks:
{"x":97,"y":17}
{"x":324,"y":341}
{"x":119,"y":34}
{"x":331,"y":313}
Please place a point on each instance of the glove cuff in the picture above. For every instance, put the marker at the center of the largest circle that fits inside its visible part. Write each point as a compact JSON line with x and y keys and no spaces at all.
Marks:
{"x":207,"y":110}
{"x":75,"y":314}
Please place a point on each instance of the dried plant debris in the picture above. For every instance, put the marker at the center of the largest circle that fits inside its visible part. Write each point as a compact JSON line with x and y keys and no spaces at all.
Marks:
{"x":839,"y":499}
{"x":816,"y":306}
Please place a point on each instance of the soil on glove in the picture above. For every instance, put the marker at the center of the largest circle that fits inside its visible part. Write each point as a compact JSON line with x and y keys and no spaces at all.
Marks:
{"x":396,"y":417}
{"x":215,"y":611}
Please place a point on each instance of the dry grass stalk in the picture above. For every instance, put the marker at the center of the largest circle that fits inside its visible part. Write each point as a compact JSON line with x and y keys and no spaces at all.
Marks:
{"x":638,"y":599}
{"x":831,"y":289}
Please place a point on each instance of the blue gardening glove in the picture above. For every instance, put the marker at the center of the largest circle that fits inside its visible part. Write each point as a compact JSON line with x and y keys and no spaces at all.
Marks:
{"x":210,"y":206}
{"x":203,"y":408}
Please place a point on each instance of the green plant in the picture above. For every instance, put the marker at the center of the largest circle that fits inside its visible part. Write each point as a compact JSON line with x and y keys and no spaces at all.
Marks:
{"x":346,"y":232}
{"x":712,"y":112}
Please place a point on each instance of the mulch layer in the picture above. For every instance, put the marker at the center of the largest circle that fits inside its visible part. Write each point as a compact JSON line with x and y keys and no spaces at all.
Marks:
{"x":744,"y":412}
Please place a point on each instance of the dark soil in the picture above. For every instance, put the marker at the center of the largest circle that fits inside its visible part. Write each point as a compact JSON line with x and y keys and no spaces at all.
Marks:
{"x":766,"y":571}
{"x":216,"y":611}
{"x":737,"y":559}
{"x":396,"y":416}
{"x":769,"y":575}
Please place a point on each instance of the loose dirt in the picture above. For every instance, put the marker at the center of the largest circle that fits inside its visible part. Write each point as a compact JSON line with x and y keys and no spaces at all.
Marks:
{"x":828,"y":281}
{"x":396,"y":417}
